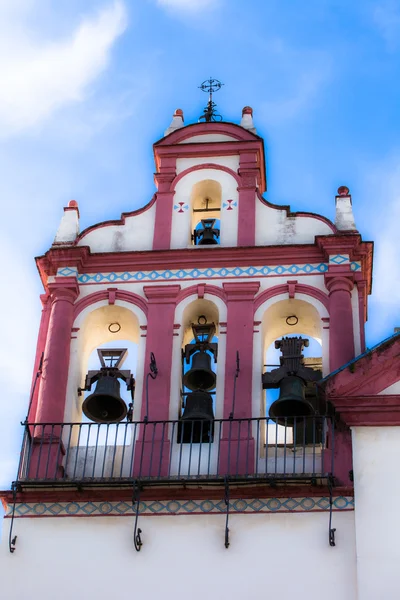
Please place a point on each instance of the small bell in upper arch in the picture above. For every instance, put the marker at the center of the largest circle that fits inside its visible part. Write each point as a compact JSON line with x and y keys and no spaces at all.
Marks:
{"x":207,"y":235}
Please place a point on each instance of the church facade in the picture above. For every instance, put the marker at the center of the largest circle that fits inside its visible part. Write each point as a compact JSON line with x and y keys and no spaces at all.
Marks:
{"x":162,"y":450}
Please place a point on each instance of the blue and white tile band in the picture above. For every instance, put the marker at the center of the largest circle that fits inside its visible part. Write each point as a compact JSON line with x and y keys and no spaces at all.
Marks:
{"x":207,"y":273}
{"x":180,"y":507}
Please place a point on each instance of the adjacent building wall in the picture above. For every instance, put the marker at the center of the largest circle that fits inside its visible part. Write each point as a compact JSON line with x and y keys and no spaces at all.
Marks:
{"x":376,"y":454}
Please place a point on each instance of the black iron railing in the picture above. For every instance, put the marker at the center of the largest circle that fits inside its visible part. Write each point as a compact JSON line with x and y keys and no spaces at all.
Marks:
{"x":176,"y":451}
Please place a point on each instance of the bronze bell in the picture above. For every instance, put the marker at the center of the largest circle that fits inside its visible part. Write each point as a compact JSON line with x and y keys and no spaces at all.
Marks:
{"x":197,"y":419}
{"x":200,"y":376}
{"x":291,"y":402}
{"x":208,"y":234}
{"x":198,"y":406}
{"x":105,"y":405}
{"x":207,"y":238}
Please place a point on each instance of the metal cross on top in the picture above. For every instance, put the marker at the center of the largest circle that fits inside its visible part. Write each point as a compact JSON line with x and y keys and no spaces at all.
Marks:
{"x":209,"y":114}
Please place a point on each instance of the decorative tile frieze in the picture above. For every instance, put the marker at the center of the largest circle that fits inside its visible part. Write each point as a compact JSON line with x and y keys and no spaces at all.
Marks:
{"x":207,"y":273}
{"x":180,"y":507}
{"x":67,"y":272}
{"x":339,"y":259}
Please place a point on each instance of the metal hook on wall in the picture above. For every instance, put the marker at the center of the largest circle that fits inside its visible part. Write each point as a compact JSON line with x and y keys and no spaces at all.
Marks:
{"x":153,"y":372}
{"x":234,"y":384}
{"x":332,"y":531}
{"x":227,"y":543}
{"x":137,"y":540}
{"x":12,"y":540}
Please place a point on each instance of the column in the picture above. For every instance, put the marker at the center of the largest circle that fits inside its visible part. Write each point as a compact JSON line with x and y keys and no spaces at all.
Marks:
{"x":341,"y":335}
{"x":43,"y":329}
{"x":237,"y":442}
{"x":153,"y":445}
{"x":47,"y":446}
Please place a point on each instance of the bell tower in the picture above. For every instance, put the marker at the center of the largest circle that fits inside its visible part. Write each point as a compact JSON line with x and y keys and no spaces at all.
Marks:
{"x":201,"y":357}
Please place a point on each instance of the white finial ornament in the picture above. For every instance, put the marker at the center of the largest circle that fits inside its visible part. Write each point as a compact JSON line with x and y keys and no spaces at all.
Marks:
{"x":247,"y":119}
{"x":344,"y":220}
{"x":69,"y":225}
{"x":177,"y":121}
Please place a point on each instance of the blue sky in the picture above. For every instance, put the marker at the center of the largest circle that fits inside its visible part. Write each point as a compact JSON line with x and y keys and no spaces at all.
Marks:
{"x":88,"y":87}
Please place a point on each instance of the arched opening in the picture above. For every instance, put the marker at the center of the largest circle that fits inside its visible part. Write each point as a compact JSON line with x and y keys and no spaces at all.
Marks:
{"x":295,"y":423}
{"x":205,"y":201}
{"x":100,"y":443}
{"x":199,"y":373}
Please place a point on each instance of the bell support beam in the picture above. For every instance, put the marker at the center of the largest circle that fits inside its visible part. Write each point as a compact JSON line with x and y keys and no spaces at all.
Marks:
{"x":53,"y":385}
{"x":239,"y":331}
{"x":153,"y":445}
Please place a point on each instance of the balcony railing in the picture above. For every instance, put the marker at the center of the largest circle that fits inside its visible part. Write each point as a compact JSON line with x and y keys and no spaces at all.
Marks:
{"x":176,"y":451}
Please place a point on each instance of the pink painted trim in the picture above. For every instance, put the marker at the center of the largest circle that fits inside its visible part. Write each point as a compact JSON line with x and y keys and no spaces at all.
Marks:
{"x":373,"y":410}
{"x":104,"y":295}
{"x":301,"y":288}
{"x":235,"y":131}
{"x":208,"y":289}
{"x":201,"y":167}
{"x":52,"y":392}
{"x":369,"y":374}
{"x":41,"y":343}
{"x":86,"y":262}
{"x":118,"y":222}
{"x":240,"y":323}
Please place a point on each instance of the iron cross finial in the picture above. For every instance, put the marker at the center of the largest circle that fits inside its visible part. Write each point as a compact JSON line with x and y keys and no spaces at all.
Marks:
{"x":209,"y":114}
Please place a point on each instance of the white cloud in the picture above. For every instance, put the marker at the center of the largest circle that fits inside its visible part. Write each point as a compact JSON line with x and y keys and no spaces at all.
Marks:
{"x":297,"y":100}
{"x":386,"y":16}
{"x":38,"y":77}
{"x":188,"y":5}
{"x":383,"y":187}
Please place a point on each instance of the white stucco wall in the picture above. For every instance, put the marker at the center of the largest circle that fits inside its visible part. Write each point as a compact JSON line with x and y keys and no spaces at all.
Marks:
{"x":376,"y":454}
{"x":209,"y":137}
{"x":283,"y":556}
{"x":274,"y":227}
{"x":231,"y":162}
{"x":356,"y":321}
{"x":392,"y":389}
{"x":135,"y":234}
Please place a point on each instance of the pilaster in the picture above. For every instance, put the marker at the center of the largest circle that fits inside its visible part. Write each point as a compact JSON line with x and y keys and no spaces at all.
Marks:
{"x":239,"y":330}
{"x":164,"y":207}
{"x":153,"y":445}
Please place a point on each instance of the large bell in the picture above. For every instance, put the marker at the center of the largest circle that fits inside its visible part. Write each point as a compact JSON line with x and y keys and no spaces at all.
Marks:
{"x":207,"y":237}
{"x":198,"y":406}
{"x":200,"y":376}
{"x":105,"y":405}
{"x":197,"y":419}
{"x":291,"y":403}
